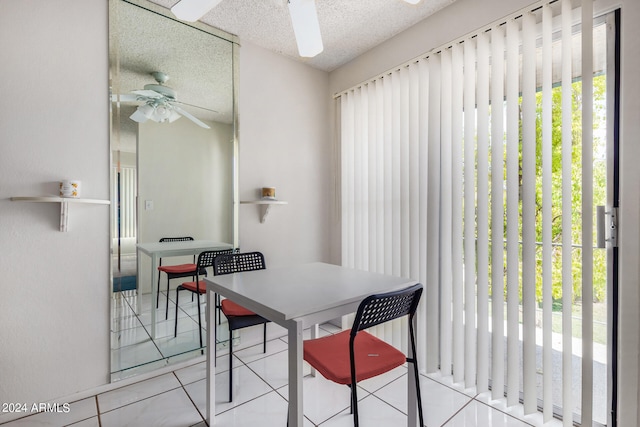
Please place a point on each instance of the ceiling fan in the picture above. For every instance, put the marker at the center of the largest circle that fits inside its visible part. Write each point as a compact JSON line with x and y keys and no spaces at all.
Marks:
{"x":304,"y":20}
{"x":159,"y":103}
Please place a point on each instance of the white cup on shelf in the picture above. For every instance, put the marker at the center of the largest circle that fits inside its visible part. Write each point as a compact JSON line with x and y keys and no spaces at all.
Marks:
{"x":70,"y":188}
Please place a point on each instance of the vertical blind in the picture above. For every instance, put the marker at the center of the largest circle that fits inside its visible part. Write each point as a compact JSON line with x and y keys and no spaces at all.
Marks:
{"x":439,"y":165}
{"x":124,"y":210}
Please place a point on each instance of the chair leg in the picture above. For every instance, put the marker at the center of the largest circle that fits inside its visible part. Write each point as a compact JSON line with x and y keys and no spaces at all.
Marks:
{"x":158,"y":289}
{"x":218,"y":308}
{"x":200,"y":324}
{"x":264,"y":339}
{"x":414,"y":361}
{"x":166,"y":311}
{"x":354,"y":404}
{"x":175,"y":331}
{"x":418,"y":396}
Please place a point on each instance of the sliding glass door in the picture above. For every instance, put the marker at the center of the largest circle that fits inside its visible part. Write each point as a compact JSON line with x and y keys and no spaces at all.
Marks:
{"x":478,"y":170}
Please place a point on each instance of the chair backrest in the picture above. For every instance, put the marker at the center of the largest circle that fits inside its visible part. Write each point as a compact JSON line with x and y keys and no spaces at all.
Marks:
{"x":237,"y":262}
{"x":207,"y":258}
{"x":175,"y":239}
{"x":381,"y":308}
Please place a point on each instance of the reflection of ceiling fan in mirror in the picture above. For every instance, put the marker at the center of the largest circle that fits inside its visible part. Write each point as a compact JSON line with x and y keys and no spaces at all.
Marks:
{"x":159,"y":103}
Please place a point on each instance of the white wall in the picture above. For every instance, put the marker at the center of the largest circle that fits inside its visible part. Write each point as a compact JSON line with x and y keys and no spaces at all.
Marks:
{"x":54,"y":124}
{"x":465,"y":16}
{"x":186,"y":171}
{"x":54,"y":286}
{"x":284,"y":143}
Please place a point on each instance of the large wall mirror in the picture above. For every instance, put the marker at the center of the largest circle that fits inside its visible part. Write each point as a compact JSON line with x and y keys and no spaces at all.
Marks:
{"x":173,"y":88}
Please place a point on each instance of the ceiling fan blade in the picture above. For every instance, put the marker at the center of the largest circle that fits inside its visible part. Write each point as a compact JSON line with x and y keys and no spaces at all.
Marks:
{"x":190,"y":117}
{"x":194,"y":106}
{"x":127,"y":97}
{"x":192,"y":10}
{"x":306,"y":27}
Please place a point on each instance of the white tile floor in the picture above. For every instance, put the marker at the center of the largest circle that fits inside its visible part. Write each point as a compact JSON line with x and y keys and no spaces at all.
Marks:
{"x":174,"y":395}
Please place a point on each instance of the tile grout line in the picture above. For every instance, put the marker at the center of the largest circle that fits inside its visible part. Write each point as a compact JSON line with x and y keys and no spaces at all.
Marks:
{"x":182,"y":386}
{"x":98,"y":411}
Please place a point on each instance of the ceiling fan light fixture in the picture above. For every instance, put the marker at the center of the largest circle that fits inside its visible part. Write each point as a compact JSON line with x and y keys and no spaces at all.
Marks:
{"x":161,"y":113}
{"x":142,"y":113}
{"x":413,"y":1}
{"x":146,"y":110}
{"x":306,"y":27}
{"x":173,"y":116}
{"x":192,"y":10}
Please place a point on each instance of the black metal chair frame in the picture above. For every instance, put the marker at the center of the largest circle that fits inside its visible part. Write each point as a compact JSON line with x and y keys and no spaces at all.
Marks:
{"x":205,"y":260}
{"x":235,"y":263}
{"x":170,"y":276}
{"x":381,"y":308}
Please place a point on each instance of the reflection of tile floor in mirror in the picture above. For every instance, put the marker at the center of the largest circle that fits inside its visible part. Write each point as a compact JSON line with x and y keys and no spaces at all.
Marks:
{"x":132,"y":349}
{"x":172,"y":391}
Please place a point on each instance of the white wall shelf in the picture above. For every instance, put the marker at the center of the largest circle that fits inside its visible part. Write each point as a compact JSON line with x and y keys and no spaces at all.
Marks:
{"x":265,"y":206}
{"x":64,"y":205}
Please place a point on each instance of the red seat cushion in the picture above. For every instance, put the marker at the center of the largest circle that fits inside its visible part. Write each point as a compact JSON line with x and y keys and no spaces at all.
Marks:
{"x":191,"y":286}
{"x":330,"y":356}
{"x":230,"y":308}
{"x":177,"y":269}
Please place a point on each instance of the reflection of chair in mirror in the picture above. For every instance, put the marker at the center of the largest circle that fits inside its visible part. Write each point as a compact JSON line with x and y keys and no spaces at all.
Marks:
{"x":237,"y":316}
{"x":368,"y":356}
{"x":174,"y":271}
{"x":198,"y":287}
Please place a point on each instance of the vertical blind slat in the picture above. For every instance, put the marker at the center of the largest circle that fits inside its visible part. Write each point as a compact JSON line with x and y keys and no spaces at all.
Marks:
{"x":432,"y":215}
{"x":513,"y":189}
{"x":469,"y":213}
{"x":457,"y":230}
{"x":446,"y":215}
{"x":372,"y":188}
{"x":396,"y":217}
{"x":403,"y":167}
{"x":547,"y":217}
{"x":587,"y":212}
{"x":426,"y":119}
{"x":379,"y":167}
{"x":497,"y":212}
{"x":567,"y":240}
{"x":388,"y":188}
{"x":528,"y":212}
{"x":360,"y":239}
{"x":347,"y":138}
{"x":483,"y":211}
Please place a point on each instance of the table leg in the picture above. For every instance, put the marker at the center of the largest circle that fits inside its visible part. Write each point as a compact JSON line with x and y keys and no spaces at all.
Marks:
{"x":315,"y":333}
{"x":211,"y":370}
{"x":295,"y":374}
{"x":138,"y":290}
{"x":154,"y":293}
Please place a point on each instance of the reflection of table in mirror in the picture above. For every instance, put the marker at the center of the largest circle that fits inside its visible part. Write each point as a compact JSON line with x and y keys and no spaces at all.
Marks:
{"x":296,"y":298}
{"x":157,"y":250}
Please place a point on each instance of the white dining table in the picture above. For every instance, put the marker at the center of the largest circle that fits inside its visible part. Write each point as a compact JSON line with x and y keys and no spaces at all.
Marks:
{"x":297,"y":298}
{"x":157,"y":250}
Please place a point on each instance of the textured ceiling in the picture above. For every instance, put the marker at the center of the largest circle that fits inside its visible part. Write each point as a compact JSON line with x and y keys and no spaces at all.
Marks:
{"x":142,"y":40}
{"x":199,"y":65}
{"x":349,"y":27}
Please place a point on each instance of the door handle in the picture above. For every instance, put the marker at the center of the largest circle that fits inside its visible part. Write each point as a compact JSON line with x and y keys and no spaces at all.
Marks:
{"x":606,"y":227}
